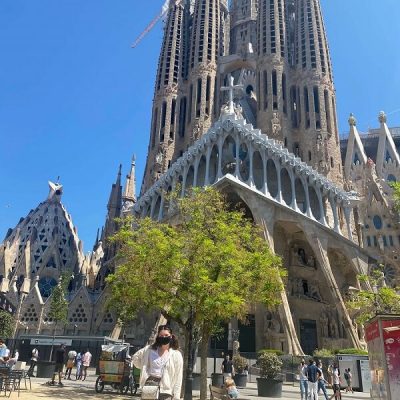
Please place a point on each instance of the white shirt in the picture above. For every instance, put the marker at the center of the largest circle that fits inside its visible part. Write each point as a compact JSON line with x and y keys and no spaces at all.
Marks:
{"x":35,"y":354}
{"x":87,"y":357}
{"x":171,"y":381}
{"x":157,"y":363}
{"x":71,"y":354}
{"x":302,"y":373}
{"x":336,"y":378}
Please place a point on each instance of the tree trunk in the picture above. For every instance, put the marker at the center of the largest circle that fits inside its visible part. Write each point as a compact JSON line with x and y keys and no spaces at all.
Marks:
{"x":203,"y":376}
{"x":190,"y":360}
{"x":52,"y":342}
{"x":185,"y":361}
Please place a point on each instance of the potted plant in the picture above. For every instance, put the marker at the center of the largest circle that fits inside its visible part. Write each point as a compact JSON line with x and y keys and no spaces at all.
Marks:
{"x":240,"y":365}
{"x":269,"y":384}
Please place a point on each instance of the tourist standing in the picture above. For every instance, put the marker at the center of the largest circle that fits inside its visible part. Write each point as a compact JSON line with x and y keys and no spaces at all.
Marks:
{"x":313,"y":377}
{"x":303,"y":380}
{"x":70,"y":363}
{"x":78,"y":363}
{"x":86,"y":359}
{"x":227,"y":367}
{"x":59,"y":359}
{"x":34,"y":360}
{"x":348,"y":376}
{"x":161,"y":364}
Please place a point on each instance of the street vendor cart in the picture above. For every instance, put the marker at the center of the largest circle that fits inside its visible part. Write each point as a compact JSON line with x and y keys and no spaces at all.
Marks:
{"x":116,"y":369}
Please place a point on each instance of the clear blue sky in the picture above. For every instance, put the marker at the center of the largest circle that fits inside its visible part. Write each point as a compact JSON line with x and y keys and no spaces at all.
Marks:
{"x":75,"y":99}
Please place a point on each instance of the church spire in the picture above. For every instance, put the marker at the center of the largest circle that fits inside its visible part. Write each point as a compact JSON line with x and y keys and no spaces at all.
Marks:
{"x":114,"y":205}
{"x":312,"y":94}
{"x":164,"y":115}
{"x":387,"y":152}
{"x":355,"y":153}
{"x":130,"y":185}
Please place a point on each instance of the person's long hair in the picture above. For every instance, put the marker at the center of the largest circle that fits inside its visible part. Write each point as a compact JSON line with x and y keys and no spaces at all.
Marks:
{"x":174,"y":344}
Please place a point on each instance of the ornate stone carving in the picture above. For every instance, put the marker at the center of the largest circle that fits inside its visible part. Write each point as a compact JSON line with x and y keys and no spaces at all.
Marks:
{"x":276,"y":124}
{"x":273,"y":149}
{"x":324,"y":325}
{"x":352,"y":120}
{"x":272,"y":323}
{"x":382,"y":117}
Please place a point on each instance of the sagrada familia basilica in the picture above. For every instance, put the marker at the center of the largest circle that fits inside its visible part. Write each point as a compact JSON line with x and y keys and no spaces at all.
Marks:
{"x":245,"y":101}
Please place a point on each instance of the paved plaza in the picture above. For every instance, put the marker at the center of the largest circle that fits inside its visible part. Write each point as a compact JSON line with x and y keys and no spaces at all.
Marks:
{"x":77,"y":390}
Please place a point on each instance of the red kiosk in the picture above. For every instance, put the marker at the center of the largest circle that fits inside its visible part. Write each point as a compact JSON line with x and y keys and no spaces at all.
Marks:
{"x":383,"y":339}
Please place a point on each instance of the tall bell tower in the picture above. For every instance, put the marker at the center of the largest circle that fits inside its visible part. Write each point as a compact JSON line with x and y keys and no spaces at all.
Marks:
{"x":312,"y":93}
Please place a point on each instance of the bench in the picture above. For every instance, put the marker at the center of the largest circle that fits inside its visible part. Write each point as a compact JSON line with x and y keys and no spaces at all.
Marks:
{"x":217,"y":393}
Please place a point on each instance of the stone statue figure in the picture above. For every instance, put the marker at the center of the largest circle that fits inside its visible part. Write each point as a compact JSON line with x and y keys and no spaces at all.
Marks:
{"x":301,"y":256}
{"x":238,"y":111}
{"x":324,"y":325}
{"x":311,"y":262}
{"x":276,"y":124}
{"x":333,"y":328}
{"x":313,"y":291}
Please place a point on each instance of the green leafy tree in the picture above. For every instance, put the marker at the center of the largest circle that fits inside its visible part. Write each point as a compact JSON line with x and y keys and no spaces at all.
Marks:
{"x":396,"y":195}
{"x":375,"y":297}
{"x":58,"y":310}
{"x":200,"y":270}
{"x":7,"y":324}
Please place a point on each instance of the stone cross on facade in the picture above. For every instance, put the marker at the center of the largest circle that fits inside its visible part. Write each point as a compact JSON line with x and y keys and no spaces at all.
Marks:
{"x":230,"y":88}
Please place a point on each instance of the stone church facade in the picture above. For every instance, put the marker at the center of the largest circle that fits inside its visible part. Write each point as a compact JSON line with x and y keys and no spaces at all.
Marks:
{"x":244,"y":100}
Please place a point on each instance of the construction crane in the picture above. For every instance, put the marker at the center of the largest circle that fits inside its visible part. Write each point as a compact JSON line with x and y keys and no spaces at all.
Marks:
{"x":149,"y":27}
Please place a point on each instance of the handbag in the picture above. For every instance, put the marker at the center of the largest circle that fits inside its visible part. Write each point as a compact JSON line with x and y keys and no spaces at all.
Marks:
{"x":150,"y":392}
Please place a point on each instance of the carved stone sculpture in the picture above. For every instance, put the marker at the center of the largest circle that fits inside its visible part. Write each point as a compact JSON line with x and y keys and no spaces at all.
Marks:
{"x":324,"y":325}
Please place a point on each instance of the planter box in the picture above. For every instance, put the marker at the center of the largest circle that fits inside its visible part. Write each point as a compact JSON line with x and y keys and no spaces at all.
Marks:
{"x":269,"y":387}
{"x":217,"y":379}
{"x":196,"y":381}
{"x":240,"y":380}
{"x":45,"y":369}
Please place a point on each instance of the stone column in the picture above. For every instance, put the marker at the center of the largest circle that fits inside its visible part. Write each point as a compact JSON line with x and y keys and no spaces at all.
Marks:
{"x":320,"y":248}
{"x":293,"y":342}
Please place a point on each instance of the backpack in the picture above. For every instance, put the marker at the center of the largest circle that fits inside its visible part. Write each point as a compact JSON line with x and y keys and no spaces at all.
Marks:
{"x":346,"y":376}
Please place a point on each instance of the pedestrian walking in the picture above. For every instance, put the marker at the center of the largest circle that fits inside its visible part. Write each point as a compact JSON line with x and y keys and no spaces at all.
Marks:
{"x":303,"y":380}
{"x":227,"y":367}
{"x":70,"y":364}
{"x":161,"y":365}
{"x":34,"y":360}
{"x":336,"y":382}
{"x":321,"y":381}
{"x":86,"y":359}
{"x":313,"y":377}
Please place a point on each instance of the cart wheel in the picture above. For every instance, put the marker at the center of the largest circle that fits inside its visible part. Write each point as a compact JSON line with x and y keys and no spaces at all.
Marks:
{"x":132,"y":385}
{"x":99,"y":385}
{"x":124,"y":386}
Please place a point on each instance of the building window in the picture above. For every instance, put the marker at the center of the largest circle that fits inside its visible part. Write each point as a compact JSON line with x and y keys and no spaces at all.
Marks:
{"x":307,"y":107}
{"x":377,"y":220}
{"x":368,"y":241}
{"x":317,"y":108}
{"x":274,"y":90}
{"x":182,"y":117}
